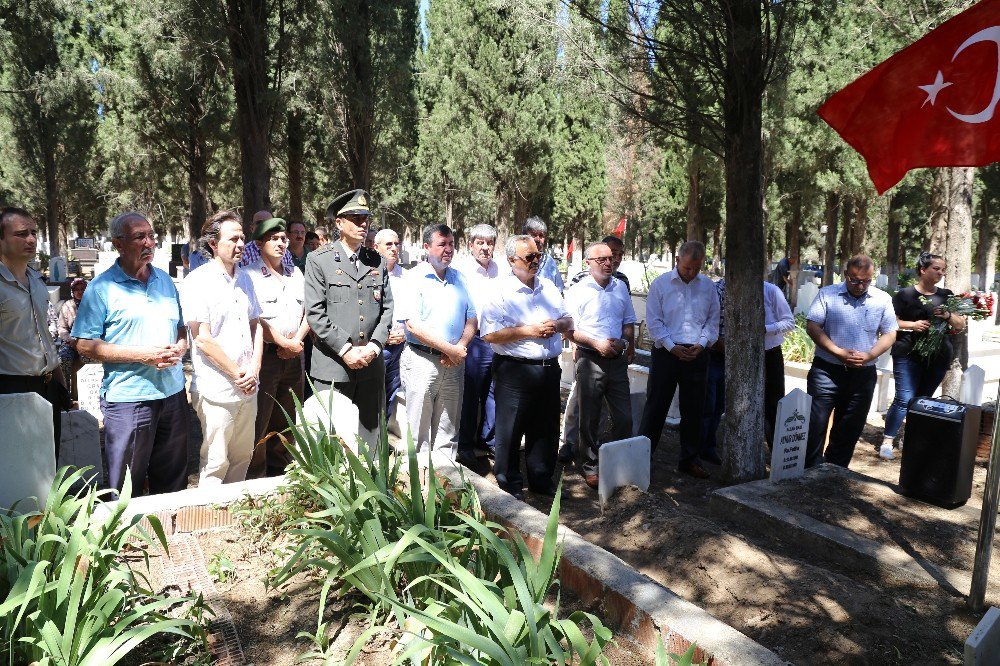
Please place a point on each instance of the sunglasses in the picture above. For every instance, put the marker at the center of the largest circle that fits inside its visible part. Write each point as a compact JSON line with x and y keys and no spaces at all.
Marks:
{"x":858,"y":283}
{"x":530,"y":258}
{"x":601,"y":260}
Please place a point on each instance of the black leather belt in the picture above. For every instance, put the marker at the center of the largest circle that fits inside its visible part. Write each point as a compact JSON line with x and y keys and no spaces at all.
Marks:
{"x":544,"y":362}
{"x":425,"y":349}
{"x":43,"y":378}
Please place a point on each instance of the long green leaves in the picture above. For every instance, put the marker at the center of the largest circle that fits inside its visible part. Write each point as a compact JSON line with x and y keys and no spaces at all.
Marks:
{"x":456,"y":588}
{"x":68,"y":598}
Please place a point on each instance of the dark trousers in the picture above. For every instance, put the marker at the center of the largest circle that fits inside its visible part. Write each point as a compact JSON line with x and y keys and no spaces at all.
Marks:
{"x":774,"y":389}
{"x":666,"y":374}
{"x":391,"y":355}
{"x":279,"y":380}
{"x":848,"y":394}
{"x":528,"y":397}
{"x":53,"y":391}
{"x":367,"y":391}
{"x":150,"y":438}
{"x":478,"y":400}
{"x":715,"y":399}
{"x":600,"y":379}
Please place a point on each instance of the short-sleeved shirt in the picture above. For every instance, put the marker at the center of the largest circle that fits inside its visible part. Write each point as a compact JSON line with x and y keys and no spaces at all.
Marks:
{"x":280,"y":299}
{"x":226,"y":305}
{"x":479,"y":280}
{"x":27,"y":347}
{"x":548,"y":268}
{"x":515,"y":304}
{"x":852,"y":323}
{"x":600,"y":312}
{"x":908,"y":307}
{"x":122,"y":310}
{"x":442,"y":306}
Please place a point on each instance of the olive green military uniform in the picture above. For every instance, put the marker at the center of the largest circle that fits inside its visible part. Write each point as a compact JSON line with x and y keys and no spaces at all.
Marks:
{"x":349,"y":303}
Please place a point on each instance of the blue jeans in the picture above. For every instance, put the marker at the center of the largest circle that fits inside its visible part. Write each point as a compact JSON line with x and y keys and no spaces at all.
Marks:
{"x":847,"y":393}
{"x":715,"y":400}
{"x":914,"y":378}
{"x":478,"y":406}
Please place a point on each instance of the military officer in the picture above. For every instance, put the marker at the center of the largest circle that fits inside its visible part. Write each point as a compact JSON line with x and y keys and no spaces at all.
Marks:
{"x":349,"y":308}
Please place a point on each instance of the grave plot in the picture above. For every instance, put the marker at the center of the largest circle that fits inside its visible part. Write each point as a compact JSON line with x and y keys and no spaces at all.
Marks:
{"x":807,"y":605}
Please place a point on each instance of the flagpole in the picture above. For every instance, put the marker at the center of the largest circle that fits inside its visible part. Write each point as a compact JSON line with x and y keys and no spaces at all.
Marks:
{"x":987,"y":522}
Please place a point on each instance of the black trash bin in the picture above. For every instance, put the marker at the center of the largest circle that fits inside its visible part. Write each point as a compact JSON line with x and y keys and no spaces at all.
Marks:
{"x":939,"y":451}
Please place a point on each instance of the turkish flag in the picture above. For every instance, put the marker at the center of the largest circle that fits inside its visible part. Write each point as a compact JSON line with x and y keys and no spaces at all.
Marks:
{"x":620,"y":229}
{"x":933,"y":104}
{"x":569,"y":252}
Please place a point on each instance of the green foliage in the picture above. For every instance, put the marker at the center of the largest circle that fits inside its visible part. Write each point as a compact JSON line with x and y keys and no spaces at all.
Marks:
{"x":664,"y":658}
{"x":427,"y":561}
{"x":221,"y":568}
{"x":797,"y":346}
{"x":68,"y":596}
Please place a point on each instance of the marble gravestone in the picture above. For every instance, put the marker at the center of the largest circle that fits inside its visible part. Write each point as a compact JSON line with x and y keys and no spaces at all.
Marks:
{"x":81,"y":444}
{"x":336,"y":412}
{"x":623,"y":463}
{"x":973,"y":380}
{"x":27,"y":450}
{"x":791,"y":430}
{"x":88,"y":389}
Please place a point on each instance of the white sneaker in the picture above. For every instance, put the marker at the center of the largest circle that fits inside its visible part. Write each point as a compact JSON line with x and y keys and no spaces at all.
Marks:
{"x":885,"y":452}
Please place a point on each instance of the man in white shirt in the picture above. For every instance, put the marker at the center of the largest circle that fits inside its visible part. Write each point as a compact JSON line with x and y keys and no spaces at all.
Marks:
{"x":682,"y":310}
{"x":440,"y":321}
{"x":282,"y":372}
{"x":604,"y":333}
{"x":521,"y":321}
{"x":387,"y":244}
{"x":478,"y":408}
{"x":221,"y":310}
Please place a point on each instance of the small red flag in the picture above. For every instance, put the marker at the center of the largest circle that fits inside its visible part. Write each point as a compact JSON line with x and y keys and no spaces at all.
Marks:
{"x":620,"y":229}
{"x":932,"y":104}
{"x":569,"y":252}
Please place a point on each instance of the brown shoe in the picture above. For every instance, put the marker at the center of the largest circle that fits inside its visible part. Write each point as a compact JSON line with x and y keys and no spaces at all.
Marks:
{"x":693,"y":469}
{"x":592,"y":480}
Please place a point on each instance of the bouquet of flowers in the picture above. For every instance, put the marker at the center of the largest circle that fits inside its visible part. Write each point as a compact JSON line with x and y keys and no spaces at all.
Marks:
{"x":973,"y":304}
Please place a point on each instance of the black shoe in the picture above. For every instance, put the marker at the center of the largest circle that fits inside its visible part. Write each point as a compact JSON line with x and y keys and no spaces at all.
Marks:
{"x":467,"y":459}
{"x":712,"y":458}
{"x":566,"y":454}
{"x":693,"y":469}
{"x":549,"y":491}
{"x":517,"y":494}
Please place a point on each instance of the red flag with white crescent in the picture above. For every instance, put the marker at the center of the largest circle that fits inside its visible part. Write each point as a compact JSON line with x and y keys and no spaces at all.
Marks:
{"x":620,"y":229}
{"x":933,"y":104}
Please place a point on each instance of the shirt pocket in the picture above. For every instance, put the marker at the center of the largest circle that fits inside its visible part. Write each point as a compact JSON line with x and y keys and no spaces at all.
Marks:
{"x":872,"y":318}
{"x":336,"y":292}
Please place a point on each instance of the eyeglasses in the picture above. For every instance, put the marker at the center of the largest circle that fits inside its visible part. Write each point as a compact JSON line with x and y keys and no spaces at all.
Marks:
{"x":858,"y":283}
{"x":530,"y":258}
{"x":600,"y":260}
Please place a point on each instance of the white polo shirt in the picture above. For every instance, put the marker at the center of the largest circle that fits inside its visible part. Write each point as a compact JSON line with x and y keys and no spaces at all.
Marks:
{"x":280,"y":299}
{"x":512,"y":304}
{"x":226,"y":305}
{"x":600,"y":312}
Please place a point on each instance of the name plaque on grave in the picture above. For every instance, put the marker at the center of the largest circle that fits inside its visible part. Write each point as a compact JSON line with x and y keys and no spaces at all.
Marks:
{"x":791,"y":432}
{"x":88,"y":389}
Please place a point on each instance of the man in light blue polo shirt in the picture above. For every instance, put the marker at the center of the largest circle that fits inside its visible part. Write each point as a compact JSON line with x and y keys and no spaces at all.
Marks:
{"x":440,"y":321}
{"x":130,"y":319}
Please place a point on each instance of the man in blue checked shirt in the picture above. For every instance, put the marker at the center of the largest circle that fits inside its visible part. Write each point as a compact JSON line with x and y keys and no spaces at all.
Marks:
{"x":852,"y":324}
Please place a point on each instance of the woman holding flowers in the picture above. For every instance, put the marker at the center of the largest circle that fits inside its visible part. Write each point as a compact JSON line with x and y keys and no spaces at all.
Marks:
{"x":918,"y":367}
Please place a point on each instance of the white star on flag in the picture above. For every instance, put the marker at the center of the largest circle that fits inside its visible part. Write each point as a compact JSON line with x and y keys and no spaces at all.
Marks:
{"x":933,"y":89}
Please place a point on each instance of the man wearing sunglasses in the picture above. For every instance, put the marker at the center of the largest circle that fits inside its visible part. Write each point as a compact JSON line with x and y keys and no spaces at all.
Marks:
{"x":521,"y":321}
{"x":852,"y":324}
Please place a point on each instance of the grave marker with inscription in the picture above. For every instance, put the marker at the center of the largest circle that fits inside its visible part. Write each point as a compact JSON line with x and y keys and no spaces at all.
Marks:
{"x":791,"y":430}
{"x":88,"y":388}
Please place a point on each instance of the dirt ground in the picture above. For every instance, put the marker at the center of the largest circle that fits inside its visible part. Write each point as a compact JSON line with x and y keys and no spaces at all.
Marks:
{"x":808,"y":611}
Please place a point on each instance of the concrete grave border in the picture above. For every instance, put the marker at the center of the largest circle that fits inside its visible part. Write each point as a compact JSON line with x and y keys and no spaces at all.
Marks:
{"x":637,"y":608}
{"x":748,"y":503}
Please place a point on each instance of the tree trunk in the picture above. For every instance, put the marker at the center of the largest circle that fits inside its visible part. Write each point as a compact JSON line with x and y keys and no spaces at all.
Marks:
{"x":892,"y":258}
{"x":846,"y":227}
{"x":717,"y":250}
{"x":51,"y":199}
{"x":694,"y":225}
{"x":248,"y":44}
{"x":197,"y":166}
{"x":359,"y":96}
{"x":859,"y":226}
{"x":449,"y":203}
{"x":958,"y":258}
{"x":830,"y":247}
{"x":296,"y":151}
{"x":938,"y":223}
{"x":793,"y":249}
{"x":986,"y":253}
{"x":744,"y":164}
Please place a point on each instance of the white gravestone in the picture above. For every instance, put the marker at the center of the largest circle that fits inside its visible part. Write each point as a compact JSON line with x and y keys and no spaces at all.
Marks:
{"x":982,"y":648}
{"x":336,"y":412}
{"x":807,"y":294}
{"x":81,"y":443}
{"x":622,"y":463}
{"x":88,"y":389}
{"x":973,"y":380}
{"x":791,"y":430}
{"x":27,"y":450}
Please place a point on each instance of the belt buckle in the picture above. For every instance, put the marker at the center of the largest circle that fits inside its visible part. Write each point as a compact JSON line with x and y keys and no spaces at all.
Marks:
{"x":47,"y":377}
